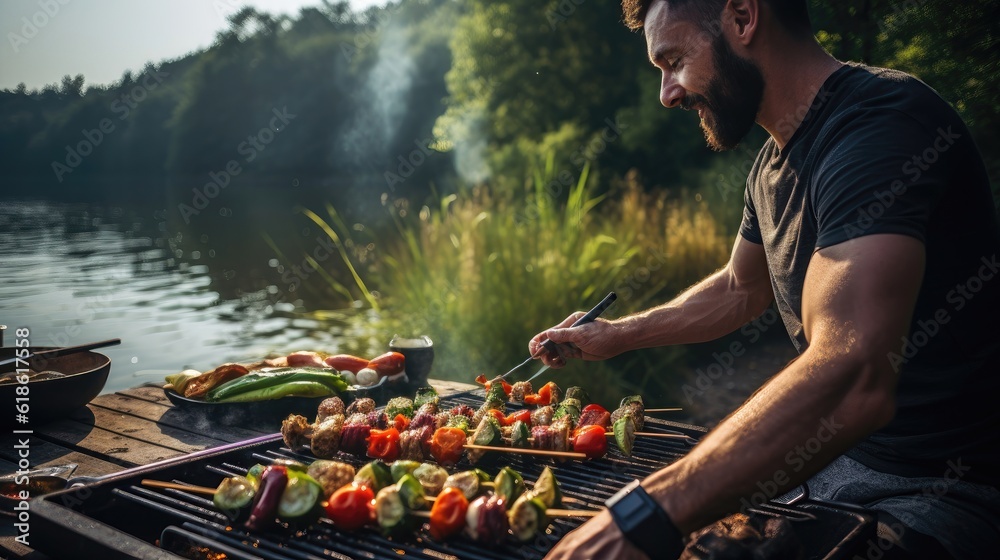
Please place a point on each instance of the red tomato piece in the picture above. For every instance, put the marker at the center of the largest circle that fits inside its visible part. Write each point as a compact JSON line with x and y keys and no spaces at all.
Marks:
{"x":591,"y":441}
{"x":522,"y":415}
{"x":447,"y":445}
{"x":498,"y":415}
{"x":481,"y":379}
{"x":384,"y":444}
{"x":543,"y":397}
{"x":350,"y":507}
{"x":448,"y":513}
{"x":400,"y":422}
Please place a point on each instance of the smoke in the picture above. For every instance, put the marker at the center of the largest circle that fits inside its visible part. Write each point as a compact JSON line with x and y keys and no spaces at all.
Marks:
{"x":383,"y":101}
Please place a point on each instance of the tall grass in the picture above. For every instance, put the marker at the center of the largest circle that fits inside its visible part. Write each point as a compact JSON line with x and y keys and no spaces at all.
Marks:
{"x":482,"y":272}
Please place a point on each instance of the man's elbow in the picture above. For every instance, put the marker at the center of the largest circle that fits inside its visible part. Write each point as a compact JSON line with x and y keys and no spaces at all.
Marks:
{"x":872,"y":392}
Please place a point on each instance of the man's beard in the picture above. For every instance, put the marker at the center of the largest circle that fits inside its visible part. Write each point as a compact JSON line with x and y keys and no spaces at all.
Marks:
{"x":733,"y":98}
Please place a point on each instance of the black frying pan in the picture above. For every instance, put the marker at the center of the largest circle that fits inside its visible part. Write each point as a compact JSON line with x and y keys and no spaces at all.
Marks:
{"x":85,"y":375}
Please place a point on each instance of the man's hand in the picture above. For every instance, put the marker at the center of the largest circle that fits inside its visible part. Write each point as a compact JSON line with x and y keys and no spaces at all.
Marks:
{"x":597,"y":538}
{"x":591,"y":341}
{"x":716,"y":306}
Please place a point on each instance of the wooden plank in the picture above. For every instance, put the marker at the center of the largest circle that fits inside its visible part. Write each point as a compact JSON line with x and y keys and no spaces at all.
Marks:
{"x":160,"y":435}
{"x":47,"y":454}
{"x":448,"y":388}
{"x":125,"y":440}
{"x":166,"y":415}
{"x":148,"y":392}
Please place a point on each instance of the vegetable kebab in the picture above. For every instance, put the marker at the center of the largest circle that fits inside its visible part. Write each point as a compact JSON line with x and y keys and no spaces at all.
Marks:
{"x":394,"y":497}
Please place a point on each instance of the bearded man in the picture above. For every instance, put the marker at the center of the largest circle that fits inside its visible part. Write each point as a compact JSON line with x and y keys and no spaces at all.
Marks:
{"x":869,"y":223}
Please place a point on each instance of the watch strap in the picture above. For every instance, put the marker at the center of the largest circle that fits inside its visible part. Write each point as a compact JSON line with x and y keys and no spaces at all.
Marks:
{"x":645,"y":524}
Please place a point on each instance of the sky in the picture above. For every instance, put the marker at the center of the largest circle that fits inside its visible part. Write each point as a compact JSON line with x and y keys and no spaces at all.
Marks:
{"x":44,"y":40}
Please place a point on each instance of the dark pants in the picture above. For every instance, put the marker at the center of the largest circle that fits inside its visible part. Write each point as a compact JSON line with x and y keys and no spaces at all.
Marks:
{"x":925,"y":517}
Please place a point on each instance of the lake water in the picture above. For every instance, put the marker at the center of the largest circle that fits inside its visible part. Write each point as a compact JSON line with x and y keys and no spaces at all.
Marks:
{"x":178,"y":294}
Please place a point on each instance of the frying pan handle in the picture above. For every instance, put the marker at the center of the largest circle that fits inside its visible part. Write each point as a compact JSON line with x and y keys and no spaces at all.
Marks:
{"x":594,"y":313}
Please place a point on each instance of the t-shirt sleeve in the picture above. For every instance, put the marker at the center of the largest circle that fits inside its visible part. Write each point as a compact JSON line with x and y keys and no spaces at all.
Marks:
{"x":881,"y":172}
{"x":750,"y":229}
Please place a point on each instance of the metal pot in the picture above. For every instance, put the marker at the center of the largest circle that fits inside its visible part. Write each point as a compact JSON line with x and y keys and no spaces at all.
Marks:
{"x":85,"y":374}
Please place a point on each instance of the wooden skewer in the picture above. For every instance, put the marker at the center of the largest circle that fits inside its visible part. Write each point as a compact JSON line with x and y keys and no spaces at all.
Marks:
{"x":564,"y":454}
{"x":653,"y":434}
{"x":421,"y":513}
{"x":175,"y":486}
{"x":663,"y":409}
{"x":571,"y":512}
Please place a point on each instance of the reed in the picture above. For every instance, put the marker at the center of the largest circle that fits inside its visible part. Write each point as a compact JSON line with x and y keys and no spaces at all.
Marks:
{"x":480,"y":272}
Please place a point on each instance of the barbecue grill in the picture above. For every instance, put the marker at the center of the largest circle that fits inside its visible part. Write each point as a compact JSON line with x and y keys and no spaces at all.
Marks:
{"x":116,"y":517}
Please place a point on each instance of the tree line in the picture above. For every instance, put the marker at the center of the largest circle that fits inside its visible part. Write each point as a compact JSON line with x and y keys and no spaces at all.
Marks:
{"x":423,"y":94}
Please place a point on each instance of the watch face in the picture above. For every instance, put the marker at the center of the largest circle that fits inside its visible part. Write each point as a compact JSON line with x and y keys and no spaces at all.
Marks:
{"x":631,"y":511}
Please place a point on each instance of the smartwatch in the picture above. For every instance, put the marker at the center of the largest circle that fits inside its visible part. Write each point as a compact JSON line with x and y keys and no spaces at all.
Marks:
{"x":644,"y":523}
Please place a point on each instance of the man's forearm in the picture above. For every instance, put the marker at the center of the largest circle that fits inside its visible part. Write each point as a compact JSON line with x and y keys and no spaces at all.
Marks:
{"x":810,"y":413}
{"x":714,"y":307}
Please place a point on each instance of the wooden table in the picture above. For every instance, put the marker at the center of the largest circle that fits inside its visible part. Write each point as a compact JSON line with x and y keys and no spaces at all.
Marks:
{"x":121,"y":430}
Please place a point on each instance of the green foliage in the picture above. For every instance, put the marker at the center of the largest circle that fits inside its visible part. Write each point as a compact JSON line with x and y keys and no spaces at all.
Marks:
{"x":481,"y":271}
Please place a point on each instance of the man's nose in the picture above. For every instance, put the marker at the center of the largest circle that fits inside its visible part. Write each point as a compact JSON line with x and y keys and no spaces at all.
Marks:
{"x":671,"y":92}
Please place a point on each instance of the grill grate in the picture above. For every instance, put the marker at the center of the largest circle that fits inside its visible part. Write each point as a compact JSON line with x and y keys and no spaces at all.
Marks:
{"x":188,"y":525}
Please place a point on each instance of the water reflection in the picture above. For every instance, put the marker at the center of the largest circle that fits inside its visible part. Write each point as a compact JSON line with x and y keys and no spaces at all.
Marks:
{"x":177,"y":295}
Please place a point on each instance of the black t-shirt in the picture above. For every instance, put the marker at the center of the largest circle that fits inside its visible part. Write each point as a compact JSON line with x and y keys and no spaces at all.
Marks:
{"x":881,"y":152}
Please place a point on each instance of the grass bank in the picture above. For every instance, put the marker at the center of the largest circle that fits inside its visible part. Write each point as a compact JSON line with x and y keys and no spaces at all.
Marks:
{"x":480,"y":272}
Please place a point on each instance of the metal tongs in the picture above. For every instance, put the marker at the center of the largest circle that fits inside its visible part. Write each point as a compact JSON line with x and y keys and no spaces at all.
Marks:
{"x":552,"y":348}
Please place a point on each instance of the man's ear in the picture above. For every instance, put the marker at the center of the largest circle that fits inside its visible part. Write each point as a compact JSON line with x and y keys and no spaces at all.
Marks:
{"x":744,"y":15}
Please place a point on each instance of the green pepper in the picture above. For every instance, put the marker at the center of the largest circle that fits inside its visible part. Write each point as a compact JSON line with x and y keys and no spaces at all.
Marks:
{"x":301,"y":501}
{"x":253,"y":474}
{"x":401,"y":467}
{"x":483,"y":475}
{"x":527,"y":517}
{"x":624,"y":430}
{"x":289,"y":389}
{"x":399,"y":405}
{"x":579,"y":394}
{"x":519,"y":434}
{"x":631,"y":399}
{"x":460,"y":421}
{"x":425,"y":395}
{"x":411,"y":492}
{"x":509,"y":484}
{"x":568,"y":407}
{"x":375,"y":475}
{"x":257,"y":381}
{"x":234,"y":496}
{"x":547,"y":489}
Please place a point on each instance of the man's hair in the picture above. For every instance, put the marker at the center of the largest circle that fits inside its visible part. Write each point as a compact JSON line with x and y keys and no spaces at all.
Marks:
{"x":792,"y":14}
